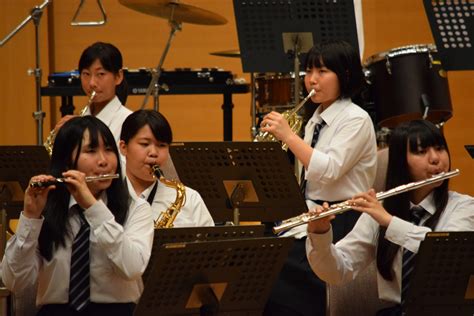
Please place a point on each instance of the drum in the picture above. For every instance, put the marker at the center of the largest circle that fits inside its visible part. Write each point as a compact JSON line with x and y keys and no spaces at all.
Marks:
{"x":407,"y":82}
{"x":275,"y":92}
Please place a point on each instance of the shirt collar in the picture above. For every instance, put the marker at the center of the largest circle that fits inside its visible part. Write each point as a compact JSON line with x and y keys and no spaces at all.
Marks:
{"x":72,"y":200}
{"x":108,"y":112}
{"x":144,"y":195}
{"x":330,"y":114}
{"x":427,"y":203}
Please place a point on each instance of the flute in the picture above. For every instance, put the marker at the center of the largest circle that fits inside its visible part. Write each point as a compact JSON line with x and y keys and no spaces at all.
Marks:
{"x":346,"y":206}
{"x":45,"y":184}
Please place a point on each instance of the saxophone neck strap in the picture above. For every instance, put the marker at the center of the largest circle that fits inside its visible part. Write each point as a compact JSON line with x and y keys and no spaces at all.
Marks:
{"x":151,"y":196}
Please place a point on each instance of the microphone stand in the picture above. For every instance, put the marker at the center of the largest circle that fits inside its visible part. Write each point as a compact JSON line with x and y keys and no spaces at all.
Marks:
{"x":154,"y":85}
{"x":35,"y":15}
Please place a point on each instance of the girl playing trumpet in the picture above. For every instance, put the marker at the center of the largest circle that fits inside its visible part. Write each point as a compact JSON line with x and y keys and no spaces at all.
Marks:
{"x":84,"y":245}
{"x":417,"y":151}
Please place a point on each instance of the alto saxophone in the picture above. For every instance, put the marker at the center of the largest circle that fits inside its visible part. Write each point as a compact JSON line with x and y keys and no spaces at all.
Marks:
{"x":294,"y":120}
{"x":166,"y":218}
{"x":48,"y":144}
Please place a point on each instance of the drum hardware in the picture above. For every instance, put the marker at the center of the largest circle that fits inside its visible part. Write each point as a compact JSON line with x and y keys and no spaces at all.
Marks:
{"x":35,"y":15}
{"x":346,"y":206}
{"x":89,"y":23}
{"x":176,"y":13}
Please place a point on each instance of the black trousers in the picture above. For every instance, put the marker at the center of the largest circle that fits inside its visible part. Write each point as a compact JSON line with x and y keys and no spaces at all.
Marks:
{"x":93,"y":309}
{"x":298,"y":290}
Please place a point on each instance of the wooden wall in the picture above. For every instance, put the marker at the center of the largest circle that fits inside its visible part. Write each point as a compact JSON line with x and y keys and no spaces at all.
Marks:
{"x":141,"y":38}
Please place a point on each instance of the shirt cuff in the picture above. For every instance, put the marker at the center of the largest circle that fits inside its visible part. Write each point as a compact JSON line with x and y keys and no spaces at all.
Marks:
{"x":398,"y":230}
{"x":28,"y":228}
{"x":321,"y":240}
{"x":98,"y":213}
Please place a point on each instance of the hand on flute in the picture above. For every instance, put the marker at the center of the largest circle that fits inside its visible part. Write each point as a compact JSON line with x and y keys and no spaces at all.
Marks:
{"x":367,"y":202}
{"x":35,"y":197}
{"x":322,"y":225}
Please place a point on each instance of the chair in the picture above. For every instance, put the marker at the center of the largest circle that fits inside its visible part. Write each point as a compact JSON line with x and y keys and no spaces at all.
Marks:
{"x":360,"y":297}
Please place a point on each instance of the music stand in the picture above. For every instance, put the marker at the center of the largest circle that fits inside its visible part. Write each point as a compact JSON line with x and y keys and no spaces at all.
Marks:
{"x":452,"y":26}
{"x":261,"y":26}
{"x":443,"y":280}
{"x":20,"y":163}
{"x":470,"y":150}
{"x":253,"y":179}
{"x":231,"y":277}
{"x":198,"y":234}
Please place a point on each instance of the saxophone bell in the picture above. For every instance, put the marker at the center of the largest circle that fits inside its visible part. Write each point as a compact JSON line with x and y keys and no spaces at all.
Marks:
{"x":166,"y":218}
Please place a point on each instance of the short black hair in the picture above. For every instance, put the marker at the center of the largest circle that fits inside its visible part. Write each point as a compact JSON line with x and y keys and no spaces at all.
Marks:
{"x":340,"y":57}
{"x":159,"y":126}
{"x":110,"y":58}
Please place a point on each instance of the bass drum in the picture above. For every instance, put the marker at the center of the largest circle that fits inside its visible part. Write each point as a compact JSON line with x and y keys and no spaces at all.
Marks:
{"x":406,"y":80}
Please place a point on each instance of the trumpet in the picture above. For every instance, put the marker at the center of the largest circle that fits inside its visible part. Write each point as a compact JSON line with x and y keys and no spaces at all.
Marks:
{"x":294,"y":120}
{"x":346,"y":206}
{"x":48,"y":144}
{"x":45,"y":184}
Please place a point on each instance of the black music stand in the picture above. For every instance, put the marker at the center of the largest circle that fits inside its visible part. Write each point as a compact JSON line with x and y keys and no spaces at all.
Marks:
{"x":198,"y":234}
{"x":470,"y":150}
{"x":443,"y":280}
{"x":262,"y":25}
{"x":19,"y":163}
{"x":452,"y":25}
{"x":255,"y":180}
{"x":225,"y":277}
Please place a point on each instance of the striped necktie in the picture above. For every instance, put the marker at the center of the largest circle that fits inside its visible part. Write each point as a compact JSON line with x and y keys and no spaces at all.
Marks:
{"x":314,"y":140}
{"x":408,"y":261}
{"x":79,"y":283}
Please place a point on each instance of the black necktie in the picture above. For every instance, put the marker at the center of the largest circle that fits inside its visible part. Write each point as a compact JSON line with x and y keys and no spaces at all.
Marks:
{"x":317,"y":130}
{"x":408,"y":261}
{"x":79,"y":283}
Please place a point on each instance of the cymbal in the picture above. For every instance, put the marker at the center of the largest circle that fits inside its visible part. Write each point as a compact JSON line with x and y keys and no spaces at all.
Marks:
{"x":182,"y":12}
{"x":227,"y":53}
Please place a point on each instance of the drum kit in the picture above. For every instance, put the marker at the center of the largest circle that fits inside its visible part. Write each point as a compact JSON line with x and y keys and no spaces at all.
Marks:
{"x":404,"y":83}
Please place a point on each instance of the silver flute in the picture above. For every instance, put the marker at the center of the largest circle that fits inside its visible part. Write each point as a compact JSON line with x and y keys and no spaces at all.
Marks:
{"x":346,"y":206}
{"x":45,"y":184}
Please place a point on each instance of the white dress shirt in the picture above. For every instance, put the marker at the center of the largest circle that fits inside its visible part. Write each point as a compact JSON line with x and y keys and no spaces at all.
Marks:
{"x":343,"y":261}
{"x":113,"y":115}
{"x":194,"y":212}
{"x":119,"y":255}
{"x":344,"y":160}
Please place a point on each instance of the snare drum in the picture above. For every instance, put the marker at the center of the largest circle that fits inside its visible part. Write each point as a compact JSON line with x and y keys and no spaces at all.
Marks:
{"x":403,"y":81}
{"x":275,"y":91}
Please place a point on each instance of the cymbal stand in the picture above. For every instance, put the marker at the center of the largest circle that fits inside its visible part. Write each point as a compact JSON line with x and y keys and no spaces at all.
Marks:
{"x":35,"y":15}
{"x":154,"y":83}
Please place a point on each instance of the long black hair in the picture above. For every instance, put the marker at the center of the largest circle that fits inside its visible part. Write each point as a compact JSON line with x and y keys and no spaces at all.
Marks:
{"x":56,"y":216}
{"x":159,"y":125}
{"x":111,"y":59}
{"x":407,"y":136}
